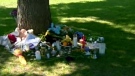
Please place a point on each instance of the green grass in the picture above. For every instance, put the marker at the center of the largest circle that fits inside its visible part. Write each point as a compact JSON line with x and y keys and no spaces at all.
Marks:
{"x":112,"y":19}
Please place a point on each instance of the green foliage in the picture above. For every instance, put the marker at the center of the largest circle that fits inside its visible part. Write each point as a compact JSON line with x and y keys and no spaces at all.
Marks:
{"x":42,"y":37}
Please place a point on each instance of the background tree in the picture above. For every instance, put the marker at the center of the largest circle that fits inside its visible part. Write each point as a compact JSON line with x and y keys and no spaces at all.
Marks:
{"x":34,"y":14}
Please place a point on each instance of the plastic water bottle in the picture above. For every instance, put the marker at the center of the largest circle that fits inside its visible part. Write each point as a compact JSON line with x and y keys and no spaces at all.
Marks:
{"x":38,"y":55}
{"x":53,"y":52}
{"x":58,"y":45}
{"x":48,"y":55}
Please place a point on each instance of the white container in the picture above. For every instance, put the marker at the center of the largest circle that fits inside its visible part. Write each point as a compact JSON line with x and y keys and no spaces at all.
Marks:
{"x":38,"y":55}
{"x":102,"y":47}
{"x":48,"y":55}
{"x":58,"y":45}
{"x":74,"y":40}
{"x":53,"y":52}
{"x":101,"y":39}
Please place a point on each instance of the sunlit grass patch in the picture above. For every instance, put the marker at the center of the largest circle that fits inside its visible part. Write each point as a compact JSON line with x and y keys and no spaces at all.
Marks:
{"x":8,"y":3}
{"x":72,"y":1}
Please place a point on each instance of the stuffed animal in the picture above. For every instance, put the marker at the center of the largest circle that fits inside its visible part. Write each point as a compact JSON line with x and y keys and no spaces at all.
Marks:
{"x":83,"y":41}
{"x":18,"y":53}
{"x":23,"y":34}
{"x":55,"y":29}
{"x":66,"y":41}
{"x":12,"y":38}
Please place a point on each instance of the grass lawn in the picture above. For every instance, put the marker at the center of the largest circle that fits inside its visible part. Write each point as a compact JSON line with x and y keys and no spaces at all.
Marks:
{"x":112,"y":19}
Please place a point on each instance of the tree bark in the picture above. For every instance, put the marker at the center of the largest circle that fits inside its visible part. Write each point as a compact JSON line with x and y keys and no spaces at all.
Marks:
{"x":34,"y":14}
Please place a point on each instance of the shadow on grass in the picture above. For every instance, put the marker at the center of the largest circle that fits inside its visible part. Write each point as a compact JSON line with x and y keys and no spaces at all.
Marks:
{"x":111,"y":19}
{"x":120,"y":12}
{"x":7,"y":23}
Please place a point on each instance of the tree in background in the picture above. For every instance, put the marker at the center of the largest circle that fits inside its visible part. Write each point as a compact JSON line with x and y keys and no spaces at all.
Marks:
{"x":34,"y":14}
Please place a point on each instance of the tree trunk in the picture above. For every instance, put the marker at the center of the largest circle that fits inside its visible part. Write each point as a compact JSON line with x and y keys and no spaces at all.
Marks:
{"x":34,"y":14}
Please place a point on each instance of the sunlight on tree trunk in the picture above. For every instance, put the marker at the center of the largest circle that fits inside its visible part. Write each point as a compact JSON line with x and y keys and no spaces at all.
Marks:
{"x":34,"y":14}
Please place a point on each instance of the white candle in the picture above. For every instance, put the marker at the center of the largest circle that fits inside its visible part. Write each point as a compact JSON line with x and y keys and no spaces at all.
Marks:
{"x":38,"y":55}
{"x":48,"y":55}
{"x":74,"y":40}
